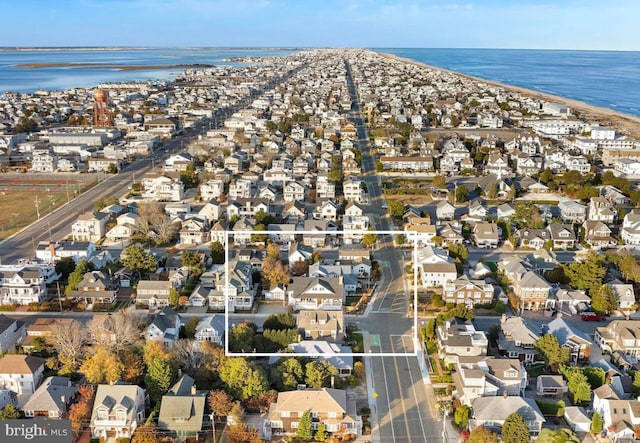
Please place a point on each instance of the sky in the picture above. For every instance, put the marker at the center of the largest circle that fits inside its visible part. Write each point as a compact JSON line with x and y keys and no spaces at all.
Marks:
{"x":521,"y":24}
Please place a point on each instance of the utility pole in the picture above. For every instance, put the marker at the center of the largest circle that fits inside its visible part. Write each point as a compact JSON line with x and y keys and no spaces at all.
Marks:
{"x":37,"y":203}
{"x":213,"y":426}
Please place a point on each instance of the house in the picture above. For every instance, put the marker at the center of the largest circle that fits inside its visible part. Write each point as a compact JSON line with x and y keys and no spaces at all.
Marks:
{"x":153,"y":293}
{"x":126,"y":226}
{"x":118,"y":410}
{"x":314,"y":293}
{"x":619,"y":335}
{"x":484,"y":376}
{"x":21,"y":374}
{"x":624,"y":293}
{"x":630,"y":231}
{"x":51,"y":399}
{"x":211,"y":328}
{"x":177,"y":162}
{"x":598,"y":235}
{"x":12,"y":333}
{"x":551,"y":386}
{"x":445,"y":210}
{"x":577,"y":419}
{"x":577,"y":342}
{"x":90,"y":226}
{"x":619,"y":415}
{"x":321,"y":325}
{"x":601,"y":209}
{"x":165,"y":326}
{"x":469,"y":292}
{"x":294,"y":211}
{"x":435,"y":267}
{"x":293,"y":191}
{"x":299,"y":252}
{"x":477,"y":210}
{"x":326,"y":405}
{"x":492,"y":414}
{"x":485,"y":235}
{"x":96,"y":288}
{"x":517,"y":339}
{"x":340,"y":357}
{"x":24,"y":284}
{"x":238,"y":291}
{"x":572,"y":212}
{"x":182,"y":410}
{"x":562,"y":236}
{"x":533,"y":238}
{"x":532,"y":290}
{"x":194,"y":231}
{"x":327,"y":210}
{"x":459,"y":339}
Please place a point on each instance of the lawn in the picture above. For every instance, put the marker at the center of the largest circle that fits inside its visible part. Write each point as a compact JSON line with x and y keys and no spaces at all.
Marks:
{"x":557,"y":436}
{"x":20,"y":192}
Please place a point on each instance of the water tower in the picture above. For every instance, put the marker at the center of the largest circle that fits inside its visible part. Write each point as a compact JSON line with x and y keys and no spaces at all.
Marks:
{"x":101,"y":114}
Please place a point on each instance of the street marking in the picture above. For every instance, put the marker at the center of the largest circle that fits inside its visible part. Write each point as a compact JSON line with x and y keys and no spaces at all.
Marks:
{"x":386,"y":388}
{"x":374,"y":340}
{"x":415,"y":395}
{"x":404,"y":409}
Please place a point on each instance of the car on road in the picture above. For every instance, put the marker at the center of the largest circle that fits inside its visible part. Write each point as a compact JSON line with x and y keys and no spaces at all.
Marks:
{"x":590,"y":316}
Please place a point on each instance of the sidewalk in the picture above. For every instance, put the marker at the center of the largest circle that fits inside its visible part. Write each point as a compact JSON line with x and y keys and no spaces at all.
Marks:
{"x":371,"y":392}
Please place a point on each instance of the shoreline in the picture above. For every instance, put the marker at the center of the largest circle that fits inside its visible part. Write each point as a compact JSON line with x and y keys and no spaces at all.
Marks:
{"x":111,"y":66}
{"x":625,"y":124}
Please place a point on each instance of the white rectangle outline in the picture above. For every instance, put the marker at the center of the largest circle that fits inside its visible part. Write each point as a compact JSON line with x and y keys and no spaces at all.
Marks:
{"x":407,"y":234}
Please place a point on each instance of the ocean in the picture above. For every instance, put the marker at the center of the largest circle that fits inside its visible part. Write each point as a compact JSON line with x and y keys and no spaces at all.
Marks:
{"x":609,"y":79}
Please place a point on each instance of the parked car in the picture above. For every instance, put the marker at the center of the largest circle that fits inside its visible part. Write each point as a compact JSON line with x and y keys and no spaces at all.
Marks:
{"x":590,"y":316}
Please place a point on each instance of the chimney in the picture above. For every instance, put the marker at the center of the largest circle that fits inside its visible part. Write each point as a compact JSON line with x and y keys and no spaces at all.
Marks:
{"x":52,"y":250}
{"x":333,"y":381}
{"x":193,"y":389}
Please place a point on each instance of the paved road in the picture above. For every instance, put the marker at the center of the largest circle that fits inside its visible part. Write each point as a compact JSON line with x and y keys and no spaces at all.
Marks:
{"x":401,"y":402}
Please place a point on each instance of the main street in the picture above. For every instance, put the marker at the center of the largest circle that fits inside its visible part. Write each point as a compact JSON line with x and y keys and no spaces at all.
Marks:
{"x":402,"y":402}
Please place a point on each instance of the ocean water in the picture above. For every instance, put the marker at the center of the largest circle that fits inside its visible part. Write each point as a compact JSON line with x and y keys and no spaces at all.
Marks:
{"x":23,"y":79}
{"x":609,"y":79}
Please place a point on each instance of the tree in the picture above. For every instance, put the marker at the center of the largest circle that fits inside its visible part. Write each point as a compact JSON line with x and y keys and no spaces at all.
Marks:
{"x":395,"y":209}
{"x":287,"y":374}
{"x":154,"y":349}
{"x":241,"y":337}
{"x":220,"y":403}
{"x":515,"y":429}
{"x":103,"y":366}
{"x":321,"y":433}
{"x":64,"y":267}
{"x":597,"y":423}
{"x":554,"y":355}
{"x":106,"y":201}
{"x":192,"y":260}
{"x":241,"y":433}
{"x":243,"y":379}
{"x":369,"y":239}
{"x":461,"y":416}
{"x":261,"y":402}
{"x":138,"y":260}
{"x":603,"y":299}
{"x":79,"y":413}
{"x":279,"y":321}
{"x":379,"y":166}
{"x":274,"y":272}
{"x":147,"y":433}
{"x":480,"y":434}
{"x":636,"y":383}
{"x":462,"y":194}
{"x":217,"y":253}
{"x":133,"y":365}
{"x":300,"y":267}
{"x":68,"y":339}
{"x":76,"y":276}
{"x":305,"y":427}
{"x":116,"y":332}
{"x":578,"y":385}
{"x":318,"y":373}
{"x":492,"y":192}
{"x":526,"y":215}
{"x":9,"y":412}
{"x":187,"y":355}
{"x":587,"y":274}
{"x":399,"y":239}
{"x":190,"y":327}
{"x":158,"y":378}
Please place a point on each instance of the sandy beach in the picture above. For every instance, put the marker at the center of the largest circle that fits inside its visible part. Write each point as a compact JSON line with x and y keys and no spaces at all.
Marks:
{"x":625,"y":124}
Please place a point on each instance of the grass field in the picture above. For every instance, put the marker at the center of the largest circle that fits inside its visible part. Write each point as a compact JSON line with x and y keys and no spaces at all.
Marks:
{"x":19,"y":193}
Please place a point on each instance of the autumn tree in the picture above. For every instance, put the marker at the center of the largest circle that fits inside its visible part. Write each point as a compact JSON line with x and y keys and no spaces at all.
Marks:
{"x":147,"y":433}
{"x":220,"y":403}
{"x":318,"y":373}
{"x":103,"y":366}
{"x":241,"y":433}
{"x":152,"y":219}
{"x":68,"y":339}
{"x":154,"y":349}
{"x":515,"y":429}
{"x":133,"y":364}
{"x":287,"y":374}
{"x":301,"y":267}
{"x":274,"y":272}
{"x":80,"y":412}
{"x":480,"y":434}
{"x":440,"y":182}
{"x":243,"y":379}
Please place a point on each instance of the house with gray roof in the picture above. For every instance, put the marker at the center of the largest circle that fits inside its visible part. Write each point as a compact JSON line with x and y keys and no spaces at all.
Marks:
{"x":492,"y":414}
{"x":118,"y":410}
{"x":182,"y":409}
{"x":517,"y":339}
{"x":321,"y":325}
{"x":51,"y":399}
{"x":211,"y":328}
{"x":577,"y":342}
{"x":153,"y":293}
{"x":165,"y":326}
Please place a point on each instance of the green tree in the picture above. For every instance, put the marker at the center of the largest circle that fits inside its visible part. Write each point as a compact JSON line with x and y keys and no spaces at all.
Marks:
{"x":76,"y":276}
{"x":399,"y":239}
{"x":10,"y":412}
{"x":459,"y":251}
{"x":462,"y":194}
{"x":395,"y":209}
{"x":603,"y":299}
{"x":554,"y":355}
{"x":578,"y":385}
{"x":279,"y":321}
{"x":369,"y":239}
{"x":138,"y":260}
{"x":597,"y":423}
{"x":255,"y":238}
{"x":526,"y":215}
{"x":112,"y":168}
{"x":461,"y":416}
{"x":217,"y":253}
{"x":515,"y":429}
{"x":174,"y":297}
{"x":287,"y":374}
{"x":158,"y":378}
{"x":480,"y":434}
{"x":321,"y":433}
{"x":587,"y":274}
{"x":106,"y":201}
{"x":318,"y":373}
{"x":190,"y":327}
{"x":305,"y":427}
{"x":379,"y":166}
{"x":241,"y":337}
{"x":243,"y":379}
{"x":192,"y":260}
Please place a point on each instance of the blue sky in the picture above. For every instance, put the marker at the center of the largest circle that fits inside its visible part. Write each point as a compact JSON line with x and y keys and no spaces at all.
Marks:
{"x":548,"y":24}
